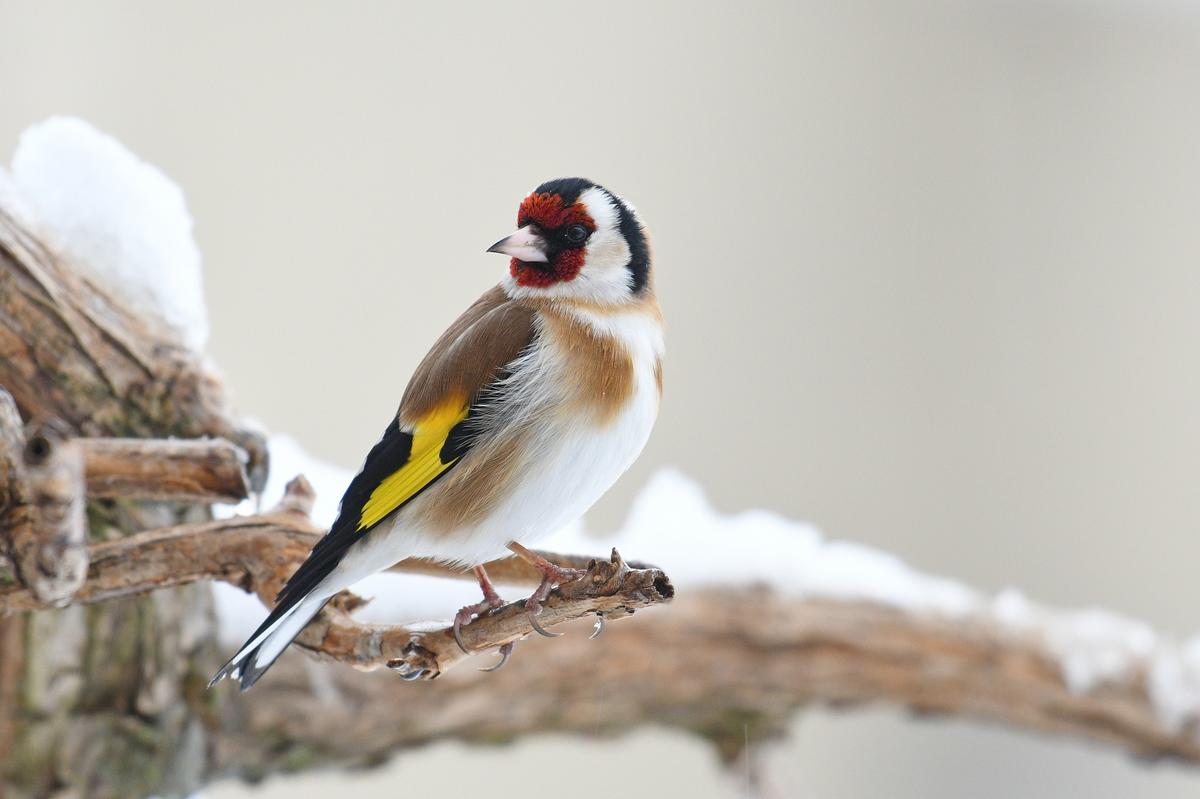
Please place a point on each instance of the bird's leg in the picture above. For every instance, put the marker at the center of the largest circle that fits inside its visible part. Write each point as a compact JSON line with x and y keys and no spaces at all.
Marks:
{"x":491,"y":601}
{"x":552,"y":575}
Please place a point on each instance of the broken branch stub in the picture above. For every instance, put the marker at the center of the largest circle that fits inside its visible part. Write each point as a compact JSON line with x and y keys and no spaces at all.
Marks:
{"x":165,"y":470}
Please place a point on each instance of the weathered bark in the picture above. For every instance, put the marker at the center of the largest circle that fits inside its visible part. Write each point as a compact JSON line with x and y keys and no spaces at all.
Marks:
{"x":71,"y":351}
{"x":212,"y":470}
{"x":41,"y":507}
{"x":106,"y":700}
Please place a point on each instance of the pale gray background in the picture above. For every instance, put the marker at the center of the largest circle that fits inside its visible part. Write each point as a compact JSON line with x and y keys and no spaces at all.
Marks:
{"x":930,"y":271}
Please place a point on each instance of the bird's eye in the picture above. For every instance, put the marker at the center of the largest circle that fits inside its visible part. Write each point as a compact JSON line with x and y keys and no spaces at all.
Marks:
{"x":576,"y":234}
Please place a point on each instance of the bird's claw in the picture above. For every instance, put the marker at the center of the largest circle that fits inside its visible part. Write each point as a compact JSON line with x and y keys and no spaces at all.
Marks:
{"x":470,"y":612}
{"x":410,"y":676}
{"x":458,"y":639}
{"x":551,"y":576}
{"x":505,"y":651}
{"x":537,"y":627}
{"x":598,"y":628}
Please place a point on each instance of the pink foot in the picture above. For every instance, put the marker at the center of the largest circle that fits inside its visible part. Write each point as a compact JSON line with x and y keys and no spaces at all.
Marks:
{"x":552,"y":575}
{"x":491,"y":601}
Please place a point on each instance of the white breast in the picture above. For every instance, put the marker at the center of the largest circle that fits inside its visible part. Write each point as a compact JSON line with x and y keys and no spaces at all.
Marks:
{"x":573,"y":460}
{"x":576,"y":461}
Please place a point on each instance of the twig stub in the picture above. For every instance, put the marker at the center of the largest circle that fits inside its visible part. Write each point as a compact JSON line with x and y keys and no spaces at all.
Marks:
{"x":174,"y":470}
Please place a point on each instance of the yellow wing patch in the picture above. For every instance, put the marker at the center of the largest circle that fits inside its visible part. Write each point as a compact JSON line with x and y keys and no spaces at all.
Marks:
{"x":424,"y":464}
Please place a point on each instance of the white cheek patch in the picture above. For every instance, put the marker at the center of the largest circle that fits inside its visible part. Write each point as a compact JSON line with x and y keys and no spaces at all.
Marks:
{"x":606,"y":261}
{"x":600,"y":208}
{"x":604,"y":277}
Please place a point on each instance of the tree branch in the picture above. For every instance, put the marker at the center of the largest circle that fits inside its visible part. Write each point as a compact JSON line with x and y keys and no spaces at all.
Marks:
{"x":46,"y":478}
{"x":609,"y":589}
{"x":719,"y":663}
{"x":719,"y":657}
{"x":171,"y":470}
{"x":259,"y":553}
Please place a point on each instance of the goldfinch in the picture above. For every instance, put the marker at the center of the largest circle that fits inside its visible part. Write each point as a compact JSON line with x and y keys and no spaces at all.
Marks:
{"x":524,"y":412}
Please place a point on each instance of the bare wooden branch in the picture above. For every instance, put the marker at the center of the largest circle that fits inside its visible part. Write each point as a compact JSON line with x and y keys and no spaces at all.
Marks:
{"x":42,"y":529}
{"x":259,"y":553}
{"x":609,"y":589}
{"x":200,"y":470}
{"x":721,"y":664}
{"x":718,"y":656}
{"x":71,"y":351}
{"x":256,"y":553}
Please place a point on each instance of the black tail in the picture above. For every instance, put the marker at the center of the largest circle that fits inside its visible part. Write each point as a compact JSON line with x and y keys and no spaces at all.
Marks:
{"x":268,"y":642}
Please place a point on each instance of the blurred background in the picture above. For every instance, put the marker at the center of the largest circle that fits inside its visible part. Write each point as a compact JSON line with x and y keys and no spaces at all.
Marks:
{"x":930,"y":273}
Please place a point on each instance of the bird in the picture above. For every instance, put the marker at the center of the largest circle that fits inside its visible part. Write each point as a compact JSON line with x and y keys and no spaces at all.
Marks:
{"x":522,"y":415}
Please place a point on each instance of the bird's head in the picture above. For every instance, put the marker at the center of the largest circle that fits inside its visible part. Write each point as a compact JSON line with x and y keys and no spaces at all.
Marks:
{"x":576,"y":240}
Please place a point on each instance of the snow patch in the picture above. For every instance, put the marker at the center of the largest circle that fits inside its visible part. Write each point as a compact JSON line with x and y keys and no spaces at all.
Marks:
{"x":109,"y":212}
{"x":1174,"y":684}
{"x":1093,"y":646}
{"x":672,"y":524}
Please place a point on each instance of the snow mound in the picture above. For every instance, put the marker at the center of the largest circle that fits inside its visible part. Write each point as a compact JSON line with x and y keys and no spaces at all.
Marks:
{"x":111,"y":213}
{"x":673,"y":525}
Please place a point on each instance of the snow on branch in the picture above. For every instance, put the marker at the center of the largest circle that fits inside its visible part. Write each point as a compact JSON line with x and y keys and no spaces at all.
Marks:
{"x":73,"y":351}
{"x":114,"y":216}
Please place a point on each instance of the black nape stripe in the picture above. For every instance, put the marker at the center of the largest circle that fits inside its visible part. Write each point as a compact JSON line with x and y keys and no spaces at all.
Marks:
{"x":639,"y":250}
